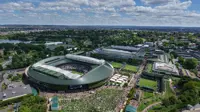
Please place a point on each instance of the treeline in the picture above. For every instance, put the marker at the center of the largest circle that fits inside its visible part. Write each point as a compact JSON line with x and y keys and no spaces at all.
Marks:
{"x":188,"y":93}
{"x":33,"y":104}
{"x":23,"y":55}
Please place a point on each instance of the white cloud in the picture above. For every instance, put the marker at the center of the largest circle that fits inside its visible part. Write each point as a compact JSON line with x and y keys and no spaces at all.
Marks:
{"x":175,"y":6}
{"x":121,"y":12}
{"x":16,"y":6}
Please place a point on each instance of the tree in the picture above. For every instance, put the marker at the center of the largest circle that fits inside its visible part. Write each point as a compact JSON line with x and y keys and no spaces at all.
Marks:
{"x":172,"y":100}
{"x":181,"y":60}
{"x":1,"y":67}
{"x":171,"y":39}
{"x":24,"y":109}
{"x":174,"y":54}
{"x":191,"y":63}
{"x":189,"y":86}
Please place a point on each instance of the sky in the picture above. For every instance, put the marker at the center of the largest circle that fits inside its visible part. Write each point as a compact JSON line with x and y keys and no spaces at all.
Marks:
{"x":101,"y":12}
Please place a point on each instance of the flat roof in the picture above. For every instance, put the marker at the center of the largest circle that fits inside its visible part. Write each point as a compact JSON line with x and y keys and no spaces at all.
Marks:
{"x":165,"y":67}
{"x":126,"y":48}
{"x":85,"y":59}
{"x":118,"y":51}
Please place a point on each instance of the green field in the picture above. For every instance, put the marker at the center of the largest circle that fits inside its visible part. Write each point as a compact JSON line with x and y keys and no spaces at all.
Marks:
{"x":148,"y":95}
{"x":148,"y":83}
{"x":168,"y":91}
{"x":116,"y":65}
{"x":102,"y":101}
{"x":131,"y":68}
{"x":147,"y":99}
{"x":76,"y":72}
{"x":149,"y":68}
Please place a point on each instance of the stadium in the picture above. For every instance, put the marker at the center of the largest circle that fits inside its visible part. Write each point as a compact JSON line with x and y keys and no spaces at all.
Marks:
{"x":69,"y":72}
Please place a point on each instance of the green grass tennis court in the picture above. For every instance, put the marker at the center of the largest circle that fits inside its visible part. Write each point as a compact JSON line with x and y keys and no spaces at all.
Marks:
{"x":149,"y":68}
{"x":116,"y":65}
{"x":148,"y":83}
{"x":131,"y":68}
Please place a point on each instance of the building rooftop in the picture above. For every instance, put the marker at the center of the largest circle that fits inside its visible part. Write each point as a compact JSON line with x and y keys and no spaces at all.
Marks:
{"x":126,"y":48}
{"x":85,"y":59}
{"x":53,"y":43}
{"x":118,"y":51}
{"x":55,"y":71}
{"x":99,"y":73}
{"x":158,"y":66}
{"x":130,"y":108}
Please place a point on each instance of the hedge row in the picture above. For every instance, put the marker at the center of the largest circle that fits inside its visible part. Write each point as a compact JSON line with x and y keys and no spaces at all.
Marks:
{"x":14,"y":100}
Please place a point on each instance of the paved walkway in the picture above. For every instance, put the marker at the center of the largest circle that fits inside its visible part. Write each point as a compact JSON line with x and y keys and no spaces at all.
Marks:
{"x":150,"y":106}
{"x":131,"y":84}
{"x":171,"y":86}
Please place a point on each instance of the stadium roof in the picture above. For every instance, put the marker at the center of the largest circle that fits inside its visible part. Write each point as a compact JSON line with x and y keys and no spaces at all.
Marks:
{"x":43,"y":66}
{"x":117,"y":51}
{"x":85,"y":59}
{"x":55,"y":71}
{"x":126,"y":48}
{"x":99,"y":73}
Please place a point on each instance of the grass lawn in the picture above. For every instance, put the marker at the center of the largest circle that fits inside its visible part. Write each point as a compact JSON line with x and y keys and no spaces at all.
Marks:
{"x":147,"y":99}
{"x":148,"y":83}
{"x":149,"y":68}
{"x":116,"y":65}
{"x":168,"y":91}
{"x":148,"y":95}
{"x":76,"y":72}
{"x":131,"y":68}
{"x":102,"y":101}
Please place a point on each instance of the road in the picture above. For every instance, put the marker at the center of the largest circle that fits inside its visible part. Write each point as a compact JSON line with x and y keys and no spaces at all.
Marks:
{"x":137,"y":75}
{"x":150,"y":106}
{"x":132,"y":82}
{"x":13,"y":70}
{"x":5,"y":75}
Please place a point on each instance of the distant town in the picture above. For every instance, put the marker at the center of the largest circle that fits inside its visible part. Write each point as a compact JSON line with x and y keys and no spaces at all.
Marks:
{"x":99,"y":69}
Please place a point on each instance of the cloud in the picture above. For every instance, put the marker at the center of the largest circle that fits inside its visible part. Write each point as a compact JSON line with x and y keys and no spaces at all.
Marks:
{"x":12,"y":6}
{"x":104,"y":12}
{"x":157,"y":2}
{"x":175,"y":6}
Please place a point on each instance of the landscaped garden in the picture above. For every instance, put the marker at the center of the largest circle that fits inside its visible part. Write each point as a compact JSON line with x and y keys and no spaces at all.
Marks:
{"x":147,"y":99}
{"x":102,"y":101}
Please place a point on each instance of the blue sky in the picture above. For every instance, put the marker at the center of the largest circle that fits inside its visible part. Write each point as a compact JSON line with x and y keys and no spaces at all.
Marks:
{"x":101,"y":12}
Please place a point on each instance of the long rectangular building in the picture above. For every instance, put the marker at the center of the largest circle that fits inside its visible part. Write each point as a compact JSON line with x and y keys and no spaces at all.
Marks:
{"x":115,"y":53}
{"x":126,"y":48}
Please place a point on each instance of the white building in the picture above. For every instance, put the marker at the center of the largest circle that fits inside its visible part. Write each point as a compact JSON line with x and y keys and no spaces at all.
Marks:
{"x":165,"y":68}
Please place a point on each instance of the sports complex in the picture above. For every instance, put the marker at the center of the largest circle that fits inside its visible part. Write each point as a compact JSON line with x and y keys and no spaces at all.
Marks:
{"x":69,"y":72}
